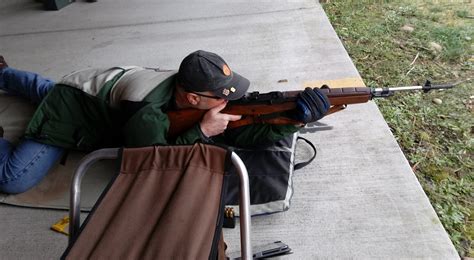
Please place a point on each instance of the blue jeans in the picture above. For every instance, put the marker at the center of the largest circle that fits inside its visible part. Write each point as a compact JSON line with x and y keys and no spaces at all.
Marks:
{"x":24,"y":166}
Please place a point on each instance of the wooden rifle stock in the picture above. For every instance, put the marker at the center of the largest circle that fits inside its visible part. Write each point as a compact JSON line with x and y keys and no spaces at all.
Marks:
{"x":270,"y":108}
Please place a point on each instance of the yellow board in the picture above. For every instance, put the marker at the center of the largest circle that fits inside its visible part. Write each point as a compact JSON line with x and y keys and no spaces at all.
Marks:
{"x":336,"y":83}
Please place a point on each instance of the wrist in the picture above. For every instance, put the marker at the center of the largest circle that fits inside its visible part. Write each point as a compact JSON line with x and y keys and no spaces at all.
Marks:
{"x":202,"y":130}
{"x":202,"y":134}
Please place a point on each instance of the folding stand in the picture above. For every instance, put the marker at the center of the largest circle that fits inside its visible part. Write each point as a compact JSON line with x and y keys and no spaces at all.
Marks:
{"x":112,"y":153}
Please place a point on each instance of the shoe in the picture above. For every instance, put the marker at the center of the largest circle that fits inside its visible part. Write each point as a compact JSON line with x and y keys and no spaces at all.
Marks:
{"x":1,"y":131}
{"x":3,"y":63}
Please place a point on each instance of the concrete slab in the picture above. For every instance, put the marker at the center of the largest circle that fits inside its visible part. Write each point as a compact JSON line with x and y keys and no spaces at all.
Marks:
{"x":359,"y":199}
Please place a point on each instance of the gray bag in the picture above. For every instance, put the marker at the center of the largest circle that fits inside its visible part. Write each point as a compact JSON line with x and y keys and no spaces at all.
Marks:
{"x":270,"y":171}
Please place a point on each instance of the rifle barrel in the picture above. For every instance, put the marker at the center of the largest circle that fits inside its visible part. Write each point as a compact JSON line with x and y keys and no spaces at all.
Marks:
{"x":404,"y":88}
{"x":387,"y":91}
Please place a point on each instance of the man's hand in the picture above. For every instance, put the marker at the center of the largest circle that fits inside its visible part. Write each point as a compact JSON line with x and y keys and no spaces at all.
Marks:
{"x":312,"y":105}
{"x":214,"y":122}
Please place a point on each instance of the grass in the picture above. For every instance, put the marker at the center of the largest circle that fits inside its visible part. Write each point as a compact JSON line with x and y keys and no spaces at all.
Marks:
{"x":403,"y":43}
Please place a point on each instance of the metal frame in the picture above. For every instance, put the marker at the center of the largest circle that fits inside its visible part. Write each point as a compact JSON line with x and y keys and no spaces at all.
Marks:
{"x":112,"y":153}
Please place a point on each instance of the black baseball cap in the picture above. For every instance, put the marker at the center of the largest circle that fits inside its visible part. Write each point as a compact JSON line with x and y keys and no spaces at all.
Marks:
{"x":206,"y":71}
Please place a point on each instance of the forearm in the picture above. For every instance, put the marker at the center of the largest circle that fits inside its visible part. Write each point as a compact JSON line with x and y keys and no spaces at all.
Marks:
{"x":191,"y":136}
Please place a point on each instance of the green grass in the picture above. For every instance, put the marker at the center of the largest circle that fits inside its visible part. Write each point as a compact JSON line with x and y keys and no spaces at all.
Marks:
{"x":437,"y":139}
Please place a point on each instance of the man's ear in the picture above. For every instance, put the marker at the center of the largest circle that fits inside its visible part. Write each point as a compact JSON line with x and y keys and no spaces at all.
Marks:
{"x":192,"y":98}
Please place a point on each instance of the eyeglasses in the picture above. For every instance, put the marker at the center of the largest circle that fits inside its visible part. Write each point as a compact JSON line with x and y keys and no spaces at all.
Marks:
{"x":202,"y":95}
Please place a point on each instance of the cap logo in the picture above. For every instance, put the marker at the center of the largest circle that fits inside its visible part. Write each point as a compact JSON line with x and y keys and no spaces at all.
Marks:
{"x":225,"y":92}
{"x":226,"y":70}
{"x":232,"y":89}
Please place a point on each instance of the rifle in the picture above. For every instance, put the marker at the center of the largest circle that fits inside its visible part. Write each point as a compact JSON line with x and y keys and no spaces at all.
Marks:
{"x":276,"y":107}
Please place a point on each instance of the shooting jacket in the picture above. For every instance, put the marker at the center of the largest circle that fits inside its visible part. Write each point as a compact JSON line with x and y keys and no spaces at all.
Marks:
{"x":123,"y":106}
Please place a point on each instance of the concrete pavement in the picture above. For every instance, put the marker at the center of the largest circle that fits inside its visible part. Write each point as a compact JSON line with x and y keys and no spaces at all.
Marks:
{"x":358,"y":199}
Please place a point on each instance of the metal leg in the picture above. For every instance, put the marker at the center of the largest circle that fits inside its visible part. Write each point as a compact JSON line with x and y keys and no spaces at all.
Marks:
{"x":244,"y":207}
{"x":75,"y":194}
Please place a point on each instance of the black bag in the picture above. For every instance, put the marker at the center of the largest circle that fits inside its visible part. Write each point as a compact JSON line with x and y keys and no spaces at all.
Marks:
{"x":270,"y":172}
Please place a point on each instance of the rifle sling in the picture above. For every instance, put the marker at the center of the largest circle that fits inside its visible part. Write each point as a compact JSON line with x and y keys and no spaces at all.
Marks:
{"x":303,"y":164}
